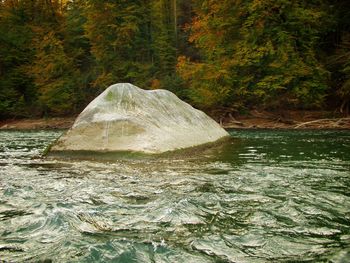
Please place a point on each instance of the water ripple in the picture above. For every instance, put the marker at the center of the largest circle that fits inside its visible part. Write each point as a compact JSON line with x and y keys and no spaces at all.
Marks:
{"x":264,"y":197}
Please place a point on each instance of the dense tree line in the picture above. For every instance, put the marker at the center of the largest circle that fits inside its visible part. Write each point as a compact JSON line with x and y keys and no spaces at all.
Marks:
{"x":56,"y":55}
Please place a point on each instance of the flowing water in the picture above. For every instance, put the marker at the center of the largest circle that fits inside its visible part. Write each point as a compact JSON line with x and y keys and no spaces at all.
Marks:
{"x":264,"y":196}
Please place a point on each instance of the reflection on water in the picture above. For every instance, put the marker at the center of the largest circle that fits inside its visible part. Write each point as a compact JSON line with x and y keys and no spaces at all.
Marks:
{"x":265,"y":196}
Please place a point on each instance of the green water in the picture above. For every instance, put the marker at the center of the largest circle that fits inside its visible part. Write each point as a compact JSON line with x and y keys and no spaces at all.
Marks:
{"x":265,"y":196}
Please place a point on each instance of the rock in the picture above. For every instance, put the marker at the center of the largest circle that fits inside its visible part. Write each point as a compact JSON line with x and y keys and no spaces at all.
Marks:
{"x":127,"y":118}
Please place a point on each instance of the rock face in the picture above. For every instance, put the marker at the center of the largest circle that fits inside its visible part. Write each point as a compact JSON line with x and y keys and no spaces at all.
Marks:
{"x":127,"y":118}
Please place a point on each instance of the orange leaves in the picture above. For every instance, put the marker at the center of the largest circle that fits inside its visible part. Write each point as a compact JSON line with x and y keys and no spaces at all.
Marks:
{"x":196,"y":27}
{"x":156,"y":84}
{"x":207,"y":81}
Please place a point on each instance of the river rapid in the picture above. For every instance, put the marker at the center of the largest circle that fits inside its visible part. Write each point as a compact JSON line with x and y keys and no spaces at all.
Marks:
{"x":264,"y":196}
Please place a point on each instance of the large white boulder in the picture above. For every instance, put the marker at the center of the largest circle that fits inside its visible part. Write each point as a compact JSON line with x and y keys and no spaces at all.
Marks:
{"x":127,"y":118}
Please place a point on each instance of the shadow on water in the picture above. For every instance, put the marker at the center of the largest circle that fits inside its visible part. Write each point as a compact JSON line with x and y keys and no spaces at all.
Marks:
{"x":199,"y":152}
{"x":242,"y":147}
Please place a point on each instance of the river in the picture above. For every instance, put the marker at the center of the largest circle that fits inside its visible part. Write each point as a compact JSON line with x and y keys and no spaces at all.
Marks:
{"x":264,"y":196}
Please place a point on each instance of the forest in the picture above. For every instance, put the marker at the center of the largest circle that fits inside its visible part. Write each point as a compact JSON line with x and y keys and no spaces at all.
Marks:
{"x":232,"y":55}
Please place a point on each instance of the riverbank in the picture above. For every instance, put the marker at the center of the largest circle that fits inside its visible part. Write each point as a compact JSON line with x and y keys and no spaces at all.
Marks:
{"x":37,"y":124}
{"x":287,"y":120}
{"x":251,"y":120}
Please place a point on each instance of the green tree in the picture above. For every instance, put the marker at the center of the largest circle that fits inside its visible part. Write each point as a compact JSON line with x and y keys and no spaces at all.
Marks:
{"x":54,"y":74}
{"x":16,"y":87}
{"x":169,"y":40}
{"x":36,"y":73}
{"x":257,"y":52}
{"x":164,"y":37}
{"x":60,"y":54}
{"x":77,"y":48}
{"x":338,"y":45}
{"x":116,"y":31}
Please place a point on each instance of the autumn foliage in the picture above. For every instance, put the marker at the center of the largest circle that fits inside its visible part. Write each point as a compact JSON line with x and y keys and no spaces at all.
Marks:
{"x":56,"y":56}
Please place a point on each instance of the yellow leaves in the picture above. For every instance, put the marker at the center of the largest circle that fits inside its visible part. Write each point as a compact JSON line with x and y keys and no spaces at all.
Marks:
{"x":208,"y":82}
{"x":155,"y":84}
{"x":260,"y":24}
{"x":183,"y":67}
{"x":103,"y":80}
{"x":199,"y":29}
{"x":109,"y":6}
{"x":208,"y":30}
{"x":112,"y":28}
{"x":256,"y":5}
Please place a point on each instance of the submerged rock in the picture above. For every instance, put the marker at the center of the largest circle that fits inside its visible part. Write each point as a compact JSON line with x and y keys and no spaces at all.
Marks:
{"x":127,"y":118}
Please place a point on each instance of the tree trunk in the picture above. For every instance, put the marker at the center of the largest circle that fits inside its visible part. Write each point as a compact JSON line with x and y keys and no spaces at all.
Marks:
{"x":175,"y":21}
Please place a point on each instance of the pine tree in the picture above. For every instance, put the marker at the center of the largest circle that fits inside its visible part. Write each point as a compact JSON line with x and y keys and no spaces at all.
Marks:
{"x":77,"y":48}
{"x":115,"y":30}
{"x":16,"y":87}
{"x":257,"y":51}
{"x":338,"y":45}
{"x":164,"y":37}
{"x":53,"y":73}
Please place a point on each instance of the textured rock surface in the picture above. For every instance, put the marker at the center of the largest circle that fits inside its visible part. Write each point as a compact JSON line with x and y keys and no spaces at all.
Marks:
{"x":127,"y":118}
